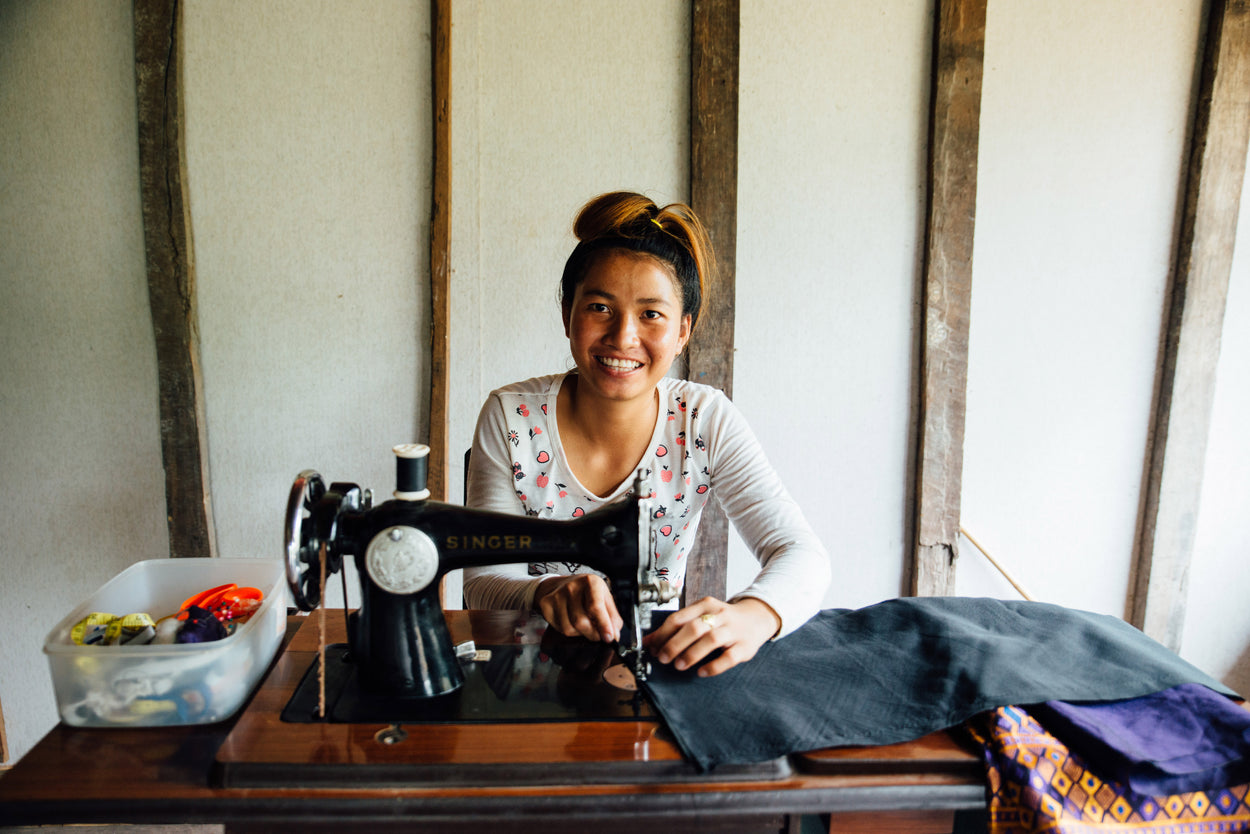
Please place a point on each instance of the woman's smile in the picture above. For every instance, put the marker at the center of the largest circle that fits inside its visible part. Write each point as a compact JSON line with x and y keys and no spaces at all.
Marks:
{"x":619,"y":365}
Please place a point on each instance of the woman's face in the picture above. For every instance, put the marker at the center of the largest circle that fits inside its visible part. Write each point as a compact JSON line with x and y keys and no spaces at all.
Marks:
{"x":625,"y":326}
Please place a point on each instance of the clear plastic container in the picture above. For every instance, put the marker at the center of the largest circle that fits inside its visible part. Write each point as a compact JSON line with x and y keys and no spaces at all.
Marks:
{"x":155,"y":685}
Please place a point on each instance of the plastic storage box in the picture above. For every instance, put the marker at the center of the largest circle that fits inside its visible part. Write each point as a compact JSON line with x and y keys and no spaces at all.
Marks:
{"x":193,"y":683}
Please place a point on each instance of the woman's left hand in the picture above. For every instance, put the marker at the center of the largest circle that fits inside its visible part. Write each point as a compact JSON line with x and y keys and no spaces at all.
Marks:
{"x":691,"y":634}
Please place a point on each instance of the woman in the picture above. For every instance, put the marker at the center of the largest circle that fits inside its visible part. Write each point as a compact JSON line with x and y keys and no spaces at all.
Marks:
{"x":564,"y":445}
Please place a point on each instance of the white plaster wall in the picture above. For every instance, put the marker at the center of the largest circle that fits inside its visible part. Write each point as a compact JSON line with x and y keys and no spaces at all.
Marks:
{"x":1217,"y":627}
{"x":308,"y":154}
{"x":1083,"y":122}
{"x":832,"y":125}
{"x":80,"y":459}
{"x":553,"y":103}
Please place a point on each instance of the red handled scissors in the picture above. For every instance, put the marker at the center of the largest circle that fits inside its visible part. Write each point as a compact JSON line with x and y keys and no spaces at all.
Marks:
{"x":226,"y":602}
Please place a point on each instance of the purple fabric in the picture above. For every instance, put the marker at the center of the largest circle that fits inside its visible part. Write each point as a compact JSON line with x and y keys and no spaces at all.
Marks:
{"x":1181,"y":739}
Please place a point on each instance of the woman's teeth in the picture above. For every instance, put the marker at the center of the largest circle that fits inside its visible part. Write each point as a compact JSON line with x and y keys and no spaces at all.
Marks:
{"x":619,"y":364}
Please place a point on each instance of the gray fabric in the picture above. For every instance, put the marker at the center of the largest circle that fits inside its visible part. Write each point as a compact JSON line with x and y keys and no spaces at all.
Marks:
{"x":903,"y":668}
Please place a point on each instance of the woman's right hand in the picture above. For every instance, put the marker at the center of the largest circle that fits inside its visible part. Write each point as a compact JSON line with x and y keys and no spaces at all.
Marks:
{"x":579,"y":604}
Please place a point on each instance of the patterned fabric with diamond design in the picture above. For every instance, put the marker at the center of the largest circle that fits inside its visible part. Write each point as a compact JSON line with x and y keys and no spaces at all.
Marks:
{"x":1037,"y":785}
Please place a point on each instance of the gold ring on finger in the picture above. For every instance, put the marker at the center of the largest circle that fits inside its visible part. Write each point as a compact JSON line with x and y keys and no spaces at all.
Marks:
{"x":709,"y":620}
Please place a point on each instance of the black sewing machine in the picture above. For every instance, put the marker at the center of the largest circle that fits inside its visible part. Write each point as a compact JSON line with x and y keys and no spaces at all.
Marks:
{"x":398,"y":639}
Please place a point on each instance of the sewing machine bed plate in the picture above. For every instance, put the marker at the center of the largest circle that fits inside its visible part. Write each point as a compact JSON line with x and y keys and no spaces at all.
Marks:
{"x":591,"y":739}
{"x":518,"y":683}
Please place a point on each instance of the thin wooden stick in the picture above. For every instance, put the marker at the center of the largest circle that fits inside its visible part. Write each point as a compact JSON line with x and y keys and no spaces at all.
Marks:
{"x":995,"y":563}
{"x":4,"y":744}
{"x":321,"y":638}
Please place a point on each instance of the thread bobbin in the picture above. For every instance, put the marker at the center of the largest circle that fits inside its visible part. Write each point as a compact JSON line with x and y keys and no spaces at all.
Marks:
{"x":412,"y":464}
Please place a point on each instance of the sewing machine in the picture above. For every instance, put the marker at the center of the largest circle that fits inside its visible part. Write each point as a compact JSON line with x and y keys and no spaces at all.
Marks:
{"x":398,"y":638}
{"x":566,"y":773}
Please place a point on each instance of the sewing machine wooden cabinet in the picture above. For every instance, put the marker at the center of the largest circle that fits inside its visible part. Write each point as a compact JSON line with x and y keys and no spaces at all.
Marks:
{"x":619,"y":775}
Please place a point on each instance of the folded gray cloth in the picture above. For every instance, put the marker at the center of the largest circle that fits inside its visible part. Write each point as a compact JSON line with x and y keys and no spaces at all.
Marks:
{"x":900,"y":669}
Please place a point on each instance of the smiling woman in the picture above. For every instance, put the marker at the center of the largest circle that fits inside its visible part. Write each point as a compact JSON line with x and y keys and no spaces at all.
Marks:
{"x":562,"y":446}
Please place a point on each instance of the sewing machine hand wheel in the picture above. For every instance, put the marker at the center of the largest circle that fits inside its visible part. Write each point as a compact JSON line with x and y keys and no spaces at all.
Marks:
{"x":303,"y":548}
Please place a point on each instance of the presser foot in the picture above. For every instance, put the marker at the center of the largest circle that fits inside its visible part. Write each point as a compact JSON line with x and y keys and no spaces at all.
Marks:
{"x":636,"y":661}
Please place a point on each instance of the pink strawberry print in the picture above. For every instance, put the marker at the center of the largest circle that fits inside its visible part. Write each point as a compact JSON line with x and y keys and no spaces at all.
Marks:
{"x":666,"y":474}
{"x":542,"y":480}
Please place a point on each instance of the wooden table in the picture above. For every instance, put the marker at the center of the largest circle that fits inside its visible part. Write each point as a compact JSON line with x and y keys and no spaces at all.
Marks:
{"x":570,"y":775}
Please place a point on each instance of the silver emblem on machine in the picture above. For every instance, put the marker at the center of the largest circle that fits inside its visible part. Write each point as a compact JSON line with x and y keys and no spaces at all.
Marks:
{"x":401,"y":560}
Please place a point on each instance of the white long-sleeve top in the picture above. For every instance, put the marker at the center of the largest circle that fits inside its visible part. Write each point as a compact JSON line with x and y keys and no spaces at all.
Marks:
{"x":701,"y":446}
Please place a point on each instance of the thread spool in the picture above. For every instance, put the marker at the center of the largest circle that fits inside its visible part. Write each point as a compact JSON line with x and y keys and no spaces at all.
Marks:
{"x":412,"y":462}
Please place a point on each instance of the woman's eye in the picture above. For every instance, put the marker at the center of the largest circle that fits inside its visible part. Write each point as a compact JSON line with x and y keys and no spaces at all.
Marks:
{"x":651,"y":314}
{"x":597,"y":308}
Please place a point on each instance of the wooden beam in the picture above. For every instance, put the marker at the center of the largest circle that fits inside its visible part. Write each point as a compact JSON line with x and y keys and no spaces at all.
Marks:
{"x":171,"y":277}
{"x":440,"y":252}
{"x":714,"y":197}
{"x":954,"y":136}
{"x":1191,"y":341}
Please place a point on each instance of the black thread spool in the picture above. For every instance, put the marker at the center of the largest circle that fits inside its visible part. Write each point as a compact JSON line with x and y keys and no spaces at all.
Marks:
{"x":412,"y":466}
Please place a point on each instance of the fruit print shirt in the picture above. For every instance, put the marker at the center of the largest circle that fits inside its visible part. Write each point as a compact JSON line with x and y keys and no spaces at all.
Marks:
{"x":701,"y":447}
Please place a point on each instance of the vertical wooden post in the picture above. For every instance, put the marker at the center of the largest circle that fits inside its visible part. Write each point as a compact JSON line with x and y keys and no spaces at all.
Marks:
{"x":171,"y":276}
{"x":440,"y":250}
{"x":714,"y":196}
{"x":1195,"y":317}
{"x":954,"y":137}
